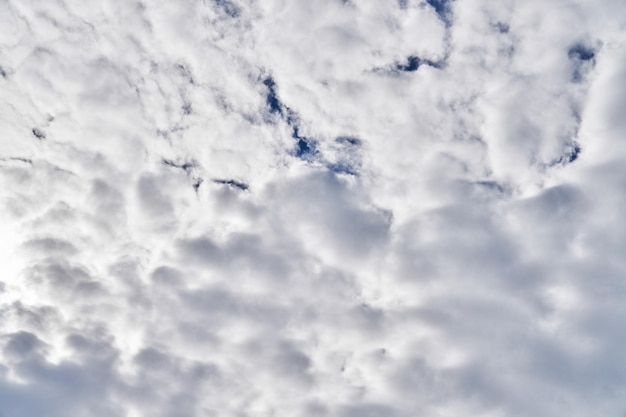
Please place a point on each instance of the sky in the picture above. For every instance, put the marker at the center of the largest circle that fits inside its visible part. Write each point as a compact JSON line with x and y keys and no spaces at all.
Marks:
{"x":312,"y":208}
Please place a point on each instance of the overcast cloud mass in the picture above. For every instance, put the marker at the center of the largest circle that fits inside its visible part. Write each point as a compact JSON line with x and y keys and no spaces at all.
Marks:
{"x":312,"y":208}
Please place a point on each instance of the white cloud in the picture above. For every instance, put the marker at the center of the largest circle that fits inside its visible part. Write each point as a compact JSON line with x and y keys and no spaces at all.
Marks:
{"x":332,"y":208}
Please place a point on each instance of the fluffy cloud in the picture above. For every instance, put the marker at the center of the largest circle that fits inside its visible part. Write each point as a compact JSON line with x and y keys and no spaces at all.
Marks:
{"x":330,"y":208}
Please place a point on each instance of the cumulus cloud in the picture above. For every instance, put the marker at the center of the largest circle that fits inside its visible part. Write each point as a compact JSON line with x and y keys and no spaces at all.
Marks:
{"x":330,"y":208}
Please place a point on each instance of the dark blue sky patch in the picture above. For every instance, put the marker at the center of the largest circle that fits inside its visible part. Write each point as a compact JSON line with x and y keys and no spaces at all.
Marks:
{"x":272,"y":99}
{"x":581,"y":52}
{"x":414,"y":62}
{"x":185,"y":166}
{"x":305,"y":147}
{"x":197,"y":183}
{"x":571,"y":153}
{"x":3,"y":72}
{"x":442,"y":8}
{"x":233,"y":183}
{"x":574,"y":153}
{"x":291,"y":117}
{"x":228,"y":7}
{"x":583,"y":59}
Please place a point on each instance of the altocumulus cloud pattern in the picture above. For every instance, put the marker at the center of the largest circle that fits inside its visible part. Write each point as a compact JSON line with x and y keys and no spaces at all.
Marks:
{"x":312,"y":208}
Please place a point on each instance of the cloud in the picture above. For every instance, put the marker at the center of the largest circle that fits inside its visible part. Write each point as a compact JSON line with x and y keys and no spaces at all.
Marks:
{"x":333,"y":208}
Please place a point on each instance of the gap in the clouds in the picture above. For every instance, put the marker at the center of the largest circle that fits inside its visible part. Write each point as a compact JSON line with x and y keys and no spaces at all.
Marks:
{"x":581,"y":52}
{"x":306,"y":147}
{"x":228,"y":7}
{"x":583,"y":58}
{"x":275,"y":106}
{"x":414,"y":62}
{"x":442,"y":8}
{"x":188,"y":168}
{"x":39,"y":133}
{"x":197,"y":182}
{"x":185,"y":166}
{"x":3,"y":72}
{"x":233,"y":183}
{"x":303,"y":149}
{"x":572,"y":153}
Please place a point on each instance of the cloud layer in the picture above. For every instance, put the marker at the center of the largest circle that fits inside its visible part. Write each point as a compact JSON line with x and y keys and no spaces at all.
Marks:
{"x":330,"y":208}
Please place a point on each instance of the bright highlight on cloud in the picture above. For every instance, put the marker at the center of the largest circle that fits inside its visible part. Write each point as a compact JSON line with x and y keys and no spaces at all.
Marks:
{"x":332,"y":208}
